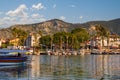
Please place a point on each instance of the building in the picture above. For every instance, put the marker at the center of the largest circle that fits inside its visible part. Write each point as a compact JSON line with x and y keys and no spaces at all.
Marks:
{"x":32,"y":40}
{"x":3,"y":42}
{"x":0,"y":43}
{"x":15,"y":41}
{"x":113,"y":42}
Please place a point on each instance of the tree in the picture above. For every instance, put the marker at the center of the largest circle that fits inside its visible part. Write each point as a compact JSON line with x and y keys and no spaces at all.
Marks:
{"x":51,"y":41}
{"x":22,"y":35}
{"x":66,"y":40}
{"x":59,"y":39}
{"x":67,"y":35}
{"x":74,"y":40}
{"x":15,"y":32}
{"x":45,"y":40}
{"x":81,"y":34}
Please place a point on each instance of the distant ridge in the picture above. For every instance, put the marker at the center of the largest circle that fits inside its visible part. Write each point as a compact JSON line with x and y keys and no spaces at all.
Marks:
{"x":56,"y":25}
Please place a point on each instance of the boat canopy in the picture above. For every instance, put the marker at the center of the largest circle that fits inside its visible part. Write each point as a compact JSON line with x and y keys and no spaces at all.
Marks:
{"x":11,"y":52}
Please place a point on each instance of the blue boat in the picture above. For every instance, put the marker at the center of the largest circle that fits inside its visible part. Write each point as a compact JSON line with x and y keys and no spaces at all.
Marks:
{"x":12,"y":57}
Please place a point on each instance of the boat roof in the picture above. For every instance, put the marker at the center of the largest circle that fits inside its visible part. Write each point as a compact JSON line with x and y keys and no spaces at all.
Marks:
{"x":9,"y":51}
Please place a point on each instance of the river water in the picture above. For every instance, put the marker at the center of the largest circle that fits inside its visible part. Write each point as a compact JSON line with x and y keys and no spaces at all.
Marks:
{"x":44,"y":67}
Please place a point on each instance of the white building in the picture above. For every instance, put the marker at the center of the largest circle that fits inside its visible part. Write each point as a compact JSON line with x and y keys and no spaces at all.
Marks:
{"x":32,"y":40}
{"x":0,"y":43}
{"x":112,"y":41}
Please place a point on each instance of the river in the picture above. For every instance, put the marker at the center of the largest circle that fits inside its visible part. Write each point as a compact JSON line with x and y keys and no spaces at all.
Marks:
{"x":81,"y":67}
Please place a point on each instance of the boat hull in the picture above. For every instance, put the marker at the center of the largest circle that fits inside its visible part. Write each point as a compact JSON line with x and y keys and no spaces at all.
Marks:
{"x":11,"y":64}
{"x":10,"y":60}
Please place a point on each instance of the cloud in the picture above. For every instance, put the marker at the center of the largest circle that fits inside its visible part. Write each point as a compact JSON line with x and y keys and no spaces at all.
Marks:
{"x":6,"y":18}
{"x":21,"y":16}
{"x":54,"y":6}
{"x":36,"y":15}
{"x":38,"y":6}
{"x":62,"y":17}
{"x":81,"y":17}
{"x":42,"y":19}
{"x":72,"y":6}
{"x":7,"y":21}
{"x":1,"y":24}
{"x":19,"y":12}
{"x":37,"y":18}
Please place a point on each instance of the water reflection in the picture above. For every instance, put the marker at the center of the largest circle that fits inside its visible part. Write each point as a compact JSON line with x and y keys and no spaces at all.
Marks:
{"x":106,"y":66}
{"x":81,"y":67}
{"x":34,"y":71}
{"x":61,"y":67}
{"x":12,"y":72}
{"x":44,"y":67}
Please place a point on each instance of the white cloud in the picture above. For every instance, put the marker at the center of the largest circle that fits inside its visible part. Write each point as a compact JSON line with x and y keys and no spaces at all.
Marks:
{"x":72,"y":6}
{"x":36,"y":15}
{"x":81,"y":17}
{"x":54,"y":6}
{"x":6,"y":18}
{"x":19,"y":12}
{"x":0,"y":23}
{"x":38,"y":6}
{"x":7,"y":21}
{"x":37,"y":18}
{"x":20,"y":16}
{"x":42,"y":19}
{"x":62,"y":17}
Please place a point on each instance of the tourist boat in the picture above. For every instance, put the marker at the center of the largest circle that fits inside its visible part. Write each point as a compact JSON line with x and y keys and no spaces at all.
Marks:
{"x":12,"y":57}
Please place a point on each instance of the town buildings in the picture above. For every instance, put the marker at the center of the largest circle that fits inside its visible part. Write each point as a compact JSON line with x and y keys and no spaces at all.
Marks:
{"x":113,"y":41}
{"x":31,"y":41}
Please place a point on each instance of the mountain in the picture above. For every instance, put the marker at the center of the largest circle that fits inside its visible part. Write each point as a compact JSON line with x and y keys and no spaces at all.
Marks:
{"x":56,"y":25}
{"x":112,"y":25}
{"x":47,"y":27}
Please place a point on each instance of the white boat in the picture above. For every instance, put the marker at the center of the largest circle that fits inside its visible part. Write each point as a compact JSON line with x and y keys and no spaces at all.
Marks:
{"x":12,"y":57}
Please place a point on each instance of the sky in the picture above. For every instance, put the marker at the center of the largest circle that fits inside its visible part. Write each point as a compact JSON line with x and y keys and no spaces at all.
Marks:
{"x":73,"y":11}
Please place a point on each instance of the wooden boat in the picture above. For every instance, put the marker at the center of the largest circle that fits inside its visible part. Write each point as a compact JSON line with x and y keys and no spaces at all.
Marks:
{"x":12,"y":57}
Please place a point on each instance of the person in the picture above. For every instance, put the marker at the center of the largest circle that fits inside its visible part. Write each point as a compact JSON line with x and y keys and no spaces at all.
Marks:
{"x":19,"y":54}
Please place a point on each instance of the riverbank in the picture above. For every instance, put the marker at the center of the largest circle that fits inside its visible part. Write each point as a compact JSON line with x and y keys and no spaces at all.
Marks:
{"x":105,"y":51}
{"x":81,"y":52}
{"x":72,"y":52}
{"x":66,"y":52}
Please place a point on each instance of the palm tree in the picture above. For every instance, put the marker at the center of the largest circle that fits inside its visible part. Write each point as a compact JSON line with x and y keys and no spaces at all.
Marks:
{"x":51,"y":41}
{"x":74,"y":42}
{"x":61,"y":42}
{"x":67,"y":37}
